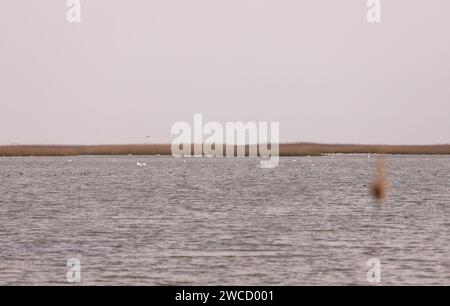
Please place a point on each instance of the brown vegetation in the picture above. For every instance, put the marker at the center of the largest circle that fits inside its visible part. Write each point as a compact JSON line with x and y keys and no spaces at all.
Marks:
{"x":67,"y":150}
{"x":290,"y":149}
{"x":296,"y":149}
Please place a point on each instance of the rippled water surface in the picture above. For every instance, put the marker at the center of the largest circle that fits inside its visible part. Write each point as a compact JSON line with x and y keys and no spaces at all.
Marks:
{"x":224,"y":221}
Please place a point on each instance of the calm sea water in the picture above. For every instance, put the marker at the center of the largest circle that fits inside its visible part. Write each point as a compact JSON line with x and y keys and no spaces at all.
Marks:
{"x":223,"y":221}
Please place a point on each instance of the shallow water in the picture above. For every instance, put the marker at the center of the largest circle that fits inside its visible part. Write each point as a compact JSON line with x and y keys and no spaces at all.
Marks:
{"x":223,"y":221}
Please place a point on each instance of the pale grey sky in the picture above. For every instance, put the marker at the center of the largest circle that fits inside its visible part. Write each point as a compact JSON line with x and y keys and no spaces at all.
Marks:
{"x":133,"y":68}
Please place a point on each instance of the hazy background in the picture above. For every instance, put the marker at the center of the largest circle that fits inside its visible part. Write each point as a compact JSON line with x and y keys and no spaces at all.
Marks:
{"x":133,"y":68}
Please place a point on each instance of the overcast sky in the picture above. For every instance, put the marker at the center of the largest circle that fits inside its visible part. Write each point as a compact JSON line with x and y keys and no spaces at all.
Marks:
{"x":130,"y":69}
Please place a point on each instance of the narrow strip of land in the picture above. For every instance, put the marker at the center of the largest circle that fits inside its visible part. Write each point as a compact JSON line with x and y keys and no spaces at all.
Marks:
{"x":287,"y":149}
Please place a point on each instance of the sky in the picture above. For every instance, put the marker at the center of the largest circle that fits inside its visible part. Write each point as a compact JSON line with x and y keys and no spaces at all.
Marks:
{"x":131,"y":69}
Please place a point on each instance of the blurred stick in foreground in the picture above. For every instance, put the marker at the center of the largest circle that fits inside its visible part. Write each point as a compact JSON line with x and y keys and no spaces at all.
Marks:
{"x":380,"y":186}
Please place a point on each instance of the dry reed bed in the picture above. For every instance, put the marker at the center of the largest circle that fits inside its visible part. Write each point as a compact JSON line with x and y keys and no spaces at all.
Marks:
{"x":290,"y":149}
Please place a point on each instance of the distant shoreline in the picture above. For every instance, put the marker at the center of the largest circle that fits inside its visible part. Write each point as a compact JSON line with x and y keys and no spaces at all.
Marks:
{"x":286,"y":149}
